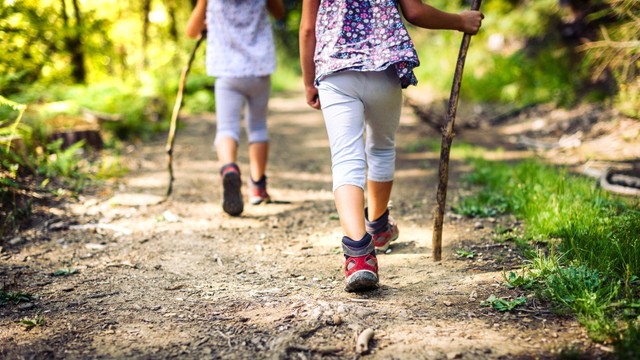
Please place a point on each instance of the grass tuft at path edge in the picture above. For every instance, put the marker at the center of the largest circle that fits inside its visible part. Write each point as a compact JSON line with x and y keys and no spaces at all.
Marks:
{"x":591,"y":261}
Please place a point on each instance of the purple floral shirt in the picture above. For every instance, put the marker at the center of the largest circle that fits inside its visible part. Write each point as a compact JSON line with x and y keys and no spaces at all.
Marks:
{"x":363,"y":35}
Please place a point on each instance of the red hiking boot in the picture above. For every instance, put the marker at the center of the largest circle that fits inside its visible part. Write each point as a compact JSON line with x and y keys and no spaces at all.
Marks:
{"x":360,"y":267}
{"x":385,"y":233}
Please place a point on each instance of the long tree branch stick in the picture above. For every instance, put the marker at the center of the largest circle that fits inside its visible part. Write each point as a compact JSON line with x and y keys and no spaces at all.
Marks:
{"x":176,"y":109}
{"x":445,"y":148}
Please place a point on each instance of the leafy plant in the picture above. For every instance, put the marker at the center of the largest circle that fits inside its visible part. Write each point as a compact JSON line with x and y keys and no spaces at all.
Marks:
{"x":15,"y":297}
{"x":35,"y":321}
{"x":20,"y":108}
{"x":469,"y":254}
{"x":65,"y":272}
{"x":503,"y":234}
{"x":523,"y":280}
{"x":13,"y":205}
{"x":61,"y":162}
{"x":502,"y":304}
{"x":484,"y":204}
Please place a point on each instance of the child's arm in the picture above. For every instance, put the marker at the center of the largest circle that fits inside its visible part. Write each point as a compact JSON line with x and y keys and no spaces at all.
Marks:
{"x":276,"y":8}
{"x":307,"y":50}
{"x":196,"y":22}
{"x":426,"y":16}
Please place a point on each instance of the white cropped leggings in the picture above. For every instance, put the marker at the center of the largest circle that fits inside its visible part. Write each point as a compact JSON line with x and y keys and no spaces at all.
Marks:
{"x":351,"y":102}
{"x":231,"y":95}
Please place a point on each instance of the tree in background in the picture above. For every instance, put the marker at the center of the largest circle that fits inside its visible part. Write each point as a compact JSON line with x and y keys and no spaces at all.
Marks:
{"x":80,"y":41}
{"x":535,"y":51}
{"x":616,"y":50}
{"x":529,"y":51}
{"x":73,"y":41}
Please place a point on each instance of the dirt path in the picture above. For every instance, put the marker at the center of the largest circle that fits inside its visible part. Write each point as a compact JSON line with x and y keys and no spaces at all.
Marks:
{"x":182,"y":279}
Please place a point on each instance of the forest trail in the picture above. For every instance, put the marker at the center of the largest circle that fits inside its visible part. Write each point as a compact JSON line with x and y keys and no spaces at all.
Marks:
{"x":182,"y":279}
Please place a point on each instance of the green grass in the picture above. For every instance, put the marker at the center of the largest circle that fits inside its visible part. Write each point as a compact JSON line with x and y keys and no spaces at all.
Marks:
{"x":14,"y":297}
{"x":583,"y":244}
{"x":596,"y":228}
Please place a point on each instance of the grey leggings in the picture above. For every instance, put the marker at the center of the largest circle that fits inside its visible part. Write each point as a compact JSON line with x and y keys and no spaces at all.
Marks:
{"x":231,"y":95}
{"x":352,"y":102}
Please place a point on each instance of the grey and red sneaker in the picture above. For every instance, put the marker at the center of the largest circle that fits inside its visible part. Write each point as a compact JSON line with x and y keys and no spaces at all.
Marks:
{"x":232,"y":202}
{"x":258,"y":191}
{"x":384,"y":230}
{"x":361,"y":265}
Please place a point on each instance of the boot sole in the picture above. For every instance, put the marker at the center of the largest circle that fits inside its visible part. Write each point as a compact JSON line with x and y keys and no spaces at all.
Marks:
{"x":361,"y":281}
{"x":231,"y":196}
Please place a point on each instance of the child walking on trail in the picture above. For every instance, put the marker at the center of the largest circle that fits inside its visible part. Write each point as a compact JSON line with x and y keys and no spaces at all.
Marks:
{"x":241,"y":55}
{"x":356,"y":58}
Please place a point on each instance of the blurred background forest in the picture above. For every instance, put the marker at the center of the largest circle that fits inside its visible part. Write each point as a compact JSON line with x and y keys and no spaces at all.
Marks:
{"x":110,"y":70}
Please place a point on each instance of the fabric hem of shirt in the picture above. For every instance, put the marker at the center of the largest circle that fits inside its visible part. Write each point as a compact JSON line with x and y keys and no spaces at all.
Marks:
{"x":360,"y":69}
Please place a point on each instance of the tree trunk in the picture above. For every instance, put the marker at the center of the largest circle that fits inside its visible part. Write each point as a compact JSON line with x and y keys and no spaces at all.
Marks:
{"x":77,"y":51}
{"x":173,"y":28}
{"x":73,"y":42}
{"x":146,"y":9}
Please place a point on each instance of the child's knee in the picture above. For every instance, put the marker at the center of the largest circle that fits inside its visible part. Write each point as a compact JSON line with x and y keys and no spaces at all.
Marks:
{"x":224,"y":135}
{"x":258,"y":135}
{"x":349,"y":172}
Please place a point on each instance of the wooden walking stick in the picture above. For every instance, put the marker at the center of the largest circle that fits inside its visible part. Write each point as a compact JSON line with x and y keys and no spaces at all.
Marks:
{"x":176,"y":109}
{"x":445,"y":148}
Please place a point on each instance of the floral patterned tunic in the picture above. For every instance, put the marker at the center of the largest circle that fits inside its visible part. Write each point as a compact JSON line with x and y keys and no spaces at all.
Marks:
{"x":239,"y":39}
{"x":363,"y":35}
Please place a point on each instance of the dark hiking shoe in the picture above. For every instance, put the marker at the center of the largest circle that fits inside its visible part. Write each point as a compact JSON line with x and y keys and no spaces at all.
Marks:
{"x":232,"y":202}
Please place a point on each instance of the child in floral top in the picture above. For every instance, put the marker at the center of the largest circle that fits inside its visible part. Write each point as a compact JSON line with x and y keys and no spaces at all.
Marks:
{"x":241,"y":55}
{"x":356,"y":56}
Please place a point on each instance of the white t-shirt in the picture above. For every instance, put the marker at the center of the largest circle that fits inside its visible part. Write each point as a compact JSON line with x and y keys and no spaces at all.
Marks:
{"x":239,"y":39}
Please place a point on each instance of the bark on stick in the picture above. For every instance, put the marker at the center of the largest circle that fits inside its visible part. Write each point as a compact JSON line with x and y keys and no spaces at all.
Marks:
{"x":445,"y":148}
{"x":176,"y":110}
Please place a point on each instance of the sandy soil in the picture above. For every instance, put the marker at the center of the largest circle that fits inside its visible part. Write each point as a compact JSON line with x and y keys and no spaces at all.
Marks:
{"x":181,"y":279}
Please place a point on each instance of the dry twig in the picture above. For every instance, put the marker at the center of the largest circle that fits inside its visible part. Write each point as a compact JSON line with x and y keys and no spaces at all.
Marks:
{"x":362,"y":343}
